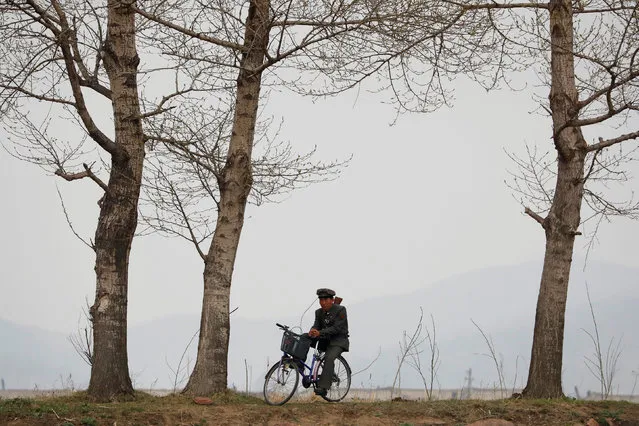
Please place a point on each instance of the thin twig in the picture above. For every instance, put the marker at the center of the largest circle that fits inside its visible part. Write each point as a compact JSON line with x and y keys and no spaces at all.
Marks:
{"x":66,"y":215}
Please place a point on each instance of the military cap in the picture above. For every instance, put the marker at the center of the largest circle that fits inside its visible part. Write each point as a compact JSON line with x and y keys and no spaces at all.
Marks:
{"x":325,"y":292}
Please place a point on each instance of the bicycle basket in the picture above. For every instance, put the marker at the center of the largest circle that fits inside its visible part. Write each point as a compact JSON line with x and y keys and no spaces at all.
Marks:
{"x":295,"y":345}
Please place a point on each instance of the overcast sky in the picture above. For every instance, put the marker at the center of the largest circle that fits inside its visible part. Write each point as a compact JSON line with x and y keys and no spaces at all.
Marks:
{"x":420,"y":201}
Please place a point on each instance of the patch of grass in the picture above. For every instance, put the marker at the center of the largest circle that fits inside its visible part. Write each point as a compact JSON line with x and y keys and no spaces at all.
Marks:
{"x":130,"y":409}
{"x":84,"y":408}
{"x":231,"y":397}
{"x":16,"y":406}
{"x":613,"y":415}
{"x":22,"y":407}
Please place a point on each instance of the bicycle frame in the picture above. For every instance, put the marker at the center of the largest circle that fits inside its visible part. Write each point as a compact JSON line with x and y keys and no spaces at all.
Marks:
{"x":302,"y":366}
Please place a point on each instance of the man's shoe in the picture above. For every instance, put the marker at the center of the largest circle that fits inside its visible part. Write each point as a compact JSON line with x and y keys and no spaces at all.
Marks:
{"x":320,"y":391}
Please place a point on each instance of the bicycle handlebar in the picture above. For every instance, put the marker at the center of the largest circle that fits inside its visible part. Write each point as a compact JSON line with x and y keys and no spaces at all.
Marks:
{"x":283,"y":327}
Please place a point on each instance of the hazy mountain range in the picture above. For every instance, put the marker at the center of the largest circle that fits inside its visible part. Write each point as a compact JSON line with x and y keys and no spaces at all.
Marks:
{"x":500,"y":300}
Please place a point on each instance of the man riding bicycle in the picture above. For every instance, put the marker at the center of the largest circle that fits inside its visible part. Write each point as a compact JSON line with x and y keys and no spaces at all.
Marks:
{"x":331,"y":329}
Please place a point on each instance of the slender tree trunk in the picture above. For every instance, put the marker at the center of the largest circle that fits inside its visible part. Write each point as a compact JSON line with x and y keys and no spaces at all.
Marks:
{"x":118,"y":211}
{"x":210,"y":372}
{"x":544,"y":376}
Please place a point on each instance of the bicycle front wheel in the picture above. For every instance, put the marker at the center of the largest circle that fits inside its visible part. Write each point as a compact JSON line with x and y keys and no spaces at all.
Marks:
{"x":341,"y":382}
{"x":281,"y":382}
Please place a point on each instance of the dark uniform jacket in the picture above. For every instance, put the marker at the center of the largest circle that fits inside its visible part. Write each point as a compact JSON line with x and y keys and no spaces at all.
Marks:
{"x":333,"y":326}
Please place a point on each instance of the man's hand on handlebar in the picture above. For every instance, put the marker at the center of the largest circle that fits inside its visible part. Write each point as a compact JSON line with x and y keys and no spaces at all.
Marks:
{"x":314,"y":333}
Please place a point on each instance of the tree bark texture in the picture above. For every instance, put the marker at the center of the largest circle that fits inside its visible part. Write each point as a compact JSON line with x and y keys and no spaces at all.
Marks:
{"x":210,"y":372}
{"x":118,"y":210}
{"x":544,"y":376}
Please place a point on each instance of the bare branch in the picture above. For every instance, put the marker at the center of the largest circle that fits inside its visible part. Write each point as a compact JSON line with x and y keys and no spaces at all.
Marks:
{"x":495,"y":5}
{"x":370,"y":364}
{"x":535,"y":216}
{"x":606,"y":91}
{"x":190,"y":33}
{"x":82,"y":340}
{"x":68,"y":219}
{"x":83,"y":111}
{"x":610,"y":142}
{"x":80,"y":175}
{"x":36,"y":96}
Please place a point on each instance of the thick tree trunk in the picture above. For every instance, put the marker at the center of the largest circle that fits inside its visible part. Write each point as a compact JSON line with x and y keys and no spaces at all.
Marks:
{"x":544,"y":376}
{"x":118,"y":211}
{"x":210,"y":372}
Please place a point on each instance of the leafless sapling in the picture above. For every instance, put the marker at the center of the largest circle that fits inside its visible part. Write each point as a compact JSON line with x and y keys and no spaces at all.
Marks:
{"x":603,"y":366}
{"x":499,"y":364}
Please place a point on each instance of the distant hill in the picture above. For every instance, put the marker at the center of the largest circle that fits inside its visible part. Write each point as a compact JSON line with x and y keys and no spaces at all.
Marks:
{"x":501,"y":300}
{"x":32,"y":357}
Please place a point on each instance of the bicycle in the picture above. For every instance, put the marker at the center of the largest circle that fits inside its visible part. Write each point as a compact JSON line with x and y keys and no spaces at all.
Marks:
{"x":283,"y":377}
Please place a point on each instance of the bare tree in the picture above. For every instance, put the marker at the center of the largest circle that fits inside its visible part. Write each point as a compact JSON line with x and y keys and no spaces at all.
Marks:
{"x":57,"y":53}
{"x":312,"y":48}
{"x":607,"y":90}
{"x":183,"y":184}
{"x":587,"y":54}
{"x":79,"y":59}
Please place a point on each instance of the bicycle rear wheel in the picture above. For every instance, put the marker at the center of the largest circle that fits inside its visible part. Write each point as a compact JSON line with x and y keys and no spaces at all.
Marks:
{"x":281,"y":382}
{"x":341,"y":382}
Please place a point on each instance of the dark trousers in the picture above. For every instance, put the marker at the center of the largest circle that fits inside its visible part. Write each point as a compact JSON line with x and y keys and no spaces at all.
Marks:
{"x":326,"y":377}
